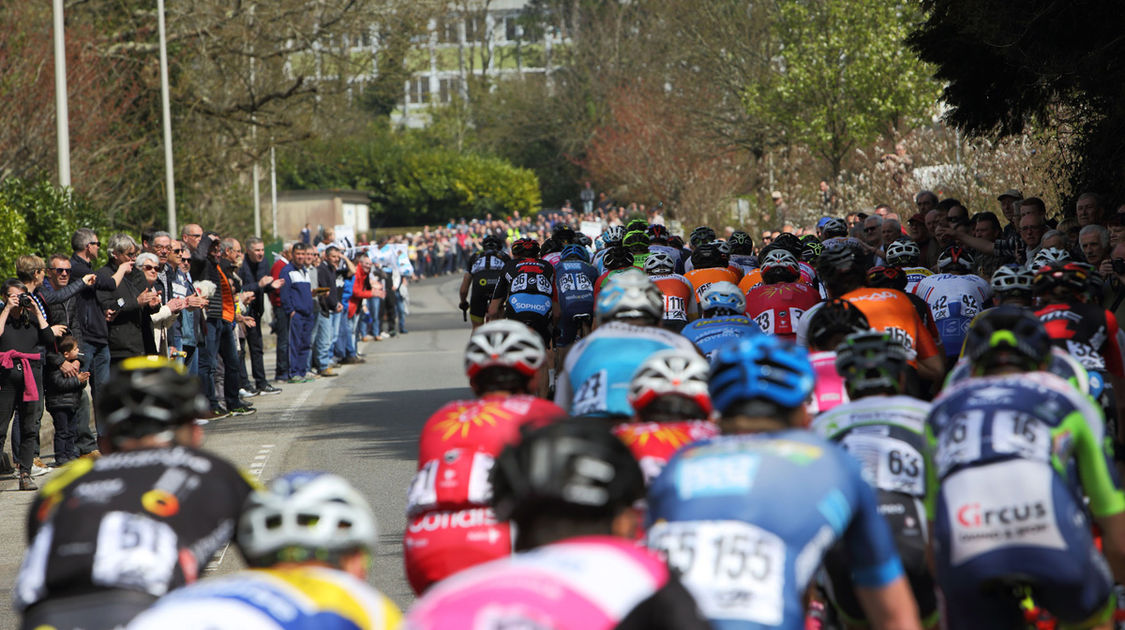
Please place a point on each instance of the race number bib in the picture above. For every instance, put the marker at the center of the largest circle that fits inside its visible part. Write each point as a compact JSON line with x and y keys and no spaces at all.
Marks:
{"x":1022,"y":435}
{"x":456,"y":480}
{"x":134,"y":552}
{"x":889,"y":464}
{"x":591,"y":394}
{"x":959,"y":442}
{"x":734,"y":570}
{"x":1090,"y":358}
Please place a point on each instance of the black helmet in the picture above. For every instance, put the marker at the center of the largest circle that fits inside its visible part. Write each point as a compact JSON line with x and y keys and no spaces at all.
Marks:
{"x":844,"y":260}
{"x":617,"y":258}
{"x":708,"y":255}
{"x":871,"y":362}
{"x":887,"y":278}
{"x":635,"y":225}
{"x":1008,"y":336}
{"x":563,"y":234}
{"x":790,"y":243}
{"x":833,"y":228}
{"x":701,"y":235}
{"x":550,"y":246}
{"x":657,"y":233}
{"x":525,"y":248}
{"x":836,"y":317}
{"x":741,"y":243}
{"x":491,"y":242}
{"x":1062,"y":278}
{"x":148,"y":395}
{"x":572,"y":467}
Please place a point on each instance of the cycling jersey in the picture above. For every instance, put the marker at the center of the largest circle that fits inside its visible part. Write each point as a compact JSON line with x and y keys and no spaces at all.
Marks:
{"x":753,"y":278}
{"x":679,"y":299}
{"x":702,"y":279}
{"x":914,"y":275}
{"x":654,"y":443}
{"x":553,"y":258}
{"x":829,"y":389}
{"x":750,"y":279}
{"x":525,"y":288}
{"x":890,"y":310}
{"x":954,"y":301}
{"x":146,"y":521}
{"x":451,"y":525}
{"x":297,"y":598}
{"x":746,"y":519}
{"x":711,"y":333}
{"x":745,"y":262}
{"x":602,"y":279}
{"x":574,"y":293}
{"x":588,"y":583}
{"x":777,"y":308}
{"x":886,"y":434}
{"x":484,"y":269}
{"x":1088,"y":332}
{"x":1012,"y":453}
{"x":677,"y":256}
{"x":596,"y":375}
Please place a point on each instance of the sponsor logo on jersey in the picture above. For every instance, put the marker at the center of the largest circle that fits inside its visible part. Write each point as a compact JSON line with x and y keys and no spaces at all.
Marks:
{"x":876,"y":296}
{"x":461,"y":519}
{"x":731,"y":474}
{"x":973,"y":515}
{"x":463,"y":418}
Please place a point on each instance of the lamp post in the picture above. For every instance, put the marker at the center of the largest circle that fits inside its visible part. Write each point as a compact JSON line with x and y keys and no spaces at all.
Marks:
{"x":167,"y":119}
{"x":62,"y":117}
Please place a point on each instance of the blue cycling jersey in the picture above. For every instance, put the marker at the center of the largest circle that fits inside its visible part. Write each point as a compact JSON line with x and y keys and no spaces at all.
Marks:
{"x":711,"y":333}
{"x":746,"y":520}
{"x":574,"y":287}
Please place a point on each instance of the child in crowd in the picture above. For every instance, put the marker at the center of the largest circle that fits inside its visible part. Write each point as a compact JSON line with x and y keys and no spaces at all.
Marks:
{"x":64,"y":394}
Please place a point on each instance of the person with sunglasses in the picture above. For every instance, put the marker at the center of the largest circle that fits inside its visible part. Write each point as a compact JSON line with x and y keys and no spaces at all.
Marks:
{"x":129,"y":307}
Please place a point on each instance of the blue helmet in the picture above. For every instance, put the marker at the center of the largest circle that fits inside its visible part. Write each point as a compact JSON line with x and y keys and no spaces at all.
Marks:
{"x":575,"y":251}
{"x":761,"y":367}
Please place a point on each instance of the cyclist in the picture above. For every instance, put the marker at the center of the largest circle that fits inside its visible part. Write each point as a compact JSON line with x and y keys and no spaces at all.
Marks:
{"x":955,"y":295}
{"x":550,"y":250}
{"x":1011,"y":285}
{"x":309,"y":540}
{"x":481,"y":275}
{"x":1011,"y":448}
{"x":843,"y":270}
{"x":905,"y":253}
{"x":525,"y":289}
{"x":742,"y":252}
{"x":746,"y":518}
{"x":637,"y":243}
{"x":569,"y":487}
{"x":778,"y":304}
{"x":724,"y":319}
{"x":107,"y":537}
{"x":679,"y":296}
{"x":450,"y":525}
{"x":616,"y":260}
{"x":661,"y":242}
{"x":701,"y":235}
{"x":830,"y":323}
{"x":709,"y":265}
{"x":595,"y":377}
{"x":671,"y":408}
{"x":1047,"y":256}
{"x":611,"y":238}
{"x":574,"y":294}
{"x":886,"y":432}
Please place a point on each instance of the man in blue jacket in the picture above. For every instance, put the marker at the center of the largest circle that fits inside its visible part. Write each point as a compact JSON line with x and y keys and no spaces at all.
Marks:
{"x":297,"y":302}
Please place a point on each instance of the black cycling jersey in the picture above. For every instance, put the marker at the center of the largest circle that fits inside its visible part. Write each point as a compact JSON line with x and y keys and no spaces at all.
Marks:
{"x":484,"y":269}
{"x":527,"y":275}
{"x":146,"y":521}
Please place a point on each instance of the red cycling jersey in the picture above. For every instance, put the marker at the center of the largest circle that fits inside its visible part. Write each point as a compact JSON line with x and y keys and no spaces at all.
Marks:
{"x":654,"y":443}
{"x":451,"y":526}
{"x":778,"y":307}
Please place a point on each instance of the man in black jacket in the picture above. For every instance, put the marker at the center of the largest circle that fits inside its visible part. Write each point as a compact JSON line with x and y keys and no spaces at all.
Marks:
{"x":329,"y":281}
{"x":130,"y":325}
{"x":255,"y":274}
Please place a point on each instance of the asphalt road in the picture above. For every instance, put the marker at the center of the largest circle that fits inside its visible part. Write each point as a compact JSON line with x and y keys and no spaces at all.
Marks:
{"x":362,"y":425}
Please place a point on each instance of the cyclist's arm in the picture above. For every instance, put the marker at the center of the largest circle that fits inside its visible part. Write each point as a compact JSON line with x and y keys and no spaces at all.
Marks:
{"x":466,"y":282}
{"x":890,"y":607}
{"x":931,"y":368}
{"x":1107,"y":503}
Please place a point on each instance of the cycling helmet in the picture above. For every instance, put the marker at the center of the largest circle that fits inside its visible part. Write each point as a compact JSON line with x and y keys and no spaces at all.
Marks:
{"x":563,"y":234}
{"x":1007,"y":336}
{"x":723,"y":247}
{"x":549,"y":246}
{"x":676,"y":241}
{"x":617,"y":258}
{"x":784,"y":262}
{"x":887,"y":278}
{"x":636,"y":225}
{"x":149,"y":395}
{"x":955,"y":256}
{"x":836,"y":318}
{"x":1046,"y":256}
{"x":659,"y":263}
{"x":741,"y":243}
{"x":636,"y":241}
{"x":305,"y":516}
{"x":504,"y":343}
{"x":1066,"y":277}
{"x":760,"y":368}
{"x":583,"y":240}
{"x":571,"y":467}
{"x":708,"y":255}
{"x":491,"y":242}
{"x":871,"y":362}
{"x":842,"y":261}
{"x":903,"y":253}
{"x":629,"y":294}
{"x":525,"y":248}
{"x":833,"y":227}
{"x":575,"y":251}
{"x":700,"y":236}
{"x":1012,"y":279}
{"x":658,"y":233}
{"x":671,"y":372}
{"x":722,"y":298}
{"x":790,"y":243}
{"x":613,"y":235}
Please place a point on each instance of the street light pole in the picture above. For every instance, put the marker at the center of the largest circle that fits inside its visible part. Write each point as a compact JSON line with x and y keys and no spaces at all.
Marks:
{"x":167,"y":119}
{"x":62,"y":116}
{"x":273,"y":189}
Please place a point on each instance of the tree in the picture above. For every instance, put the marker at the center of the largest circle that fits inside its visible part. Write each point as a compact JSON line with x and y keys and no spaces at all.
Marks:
{"x":841,"y":76}
{"x":1053,"y":66}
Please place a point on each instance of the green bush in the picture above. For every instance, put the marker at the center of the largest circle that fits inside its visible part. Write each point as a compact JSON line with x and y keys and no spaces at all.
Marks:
{"x":38,"y":218}
{"x":412,"y":184}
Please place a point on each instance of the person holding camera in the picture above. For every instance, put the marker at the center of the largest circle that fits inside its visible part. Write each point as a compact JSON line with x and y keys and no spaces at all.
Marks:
{"x":23,"y":328}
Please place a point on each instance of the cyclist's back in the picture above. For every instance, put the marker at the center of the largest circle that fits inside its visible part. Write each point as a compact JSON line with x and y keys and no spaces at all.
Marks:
{"x":954,"y":296}
{"x":484,"y":269}
{"x":723,"y":319}
{"x":574,"y":292}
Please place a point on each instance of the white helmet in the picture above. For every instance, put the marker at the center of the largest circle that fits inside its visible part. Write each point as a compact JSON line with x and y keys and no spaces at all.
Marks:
{"x":628,"y":294}
{"x":903,"y":253}
{"x":723,"y":246}
{"x":302,"y":516}
{"x":506,"y":343}
{"x":679,"y":372}
{"x":613,"y":234}
{"x":1046,"y":256}
{"x":659,"y":263}
{"x":723,"y":296}
{"x":1010,"y":278}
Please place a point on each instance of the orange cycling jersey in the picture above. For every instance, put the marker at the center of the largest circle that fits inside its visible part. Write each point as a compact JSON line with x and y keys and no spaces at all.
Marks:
{"x":701,"y":279}
{"x":752,"y":279}
{"x":679,"y":296}
{"x":891,"y":311}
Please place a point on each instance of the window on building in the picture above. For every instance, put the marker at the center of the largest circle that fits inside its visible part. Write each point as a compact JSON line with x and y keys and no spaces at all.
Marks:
{"x":450,"y":88}
{"x":420,"y":90}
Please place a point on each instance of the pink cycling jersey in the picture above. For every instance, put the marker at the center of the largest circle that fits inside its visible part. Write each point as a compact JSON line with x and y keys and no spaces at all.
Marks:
{"x":829,"y":390}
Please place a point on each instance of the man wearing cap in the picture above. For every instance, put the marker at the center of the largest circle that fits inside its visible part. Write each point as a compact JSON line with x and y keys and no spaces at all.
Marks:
{"x":1010,"y":206}
{"x":917,"y":231}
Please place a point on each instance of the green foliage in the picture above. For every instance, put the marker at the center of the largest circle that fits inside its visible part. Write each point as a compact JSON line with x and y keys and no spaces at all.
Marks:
{"x":411,"y":183}
{"x":38,"y":218}
{"x":842,"y":75}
